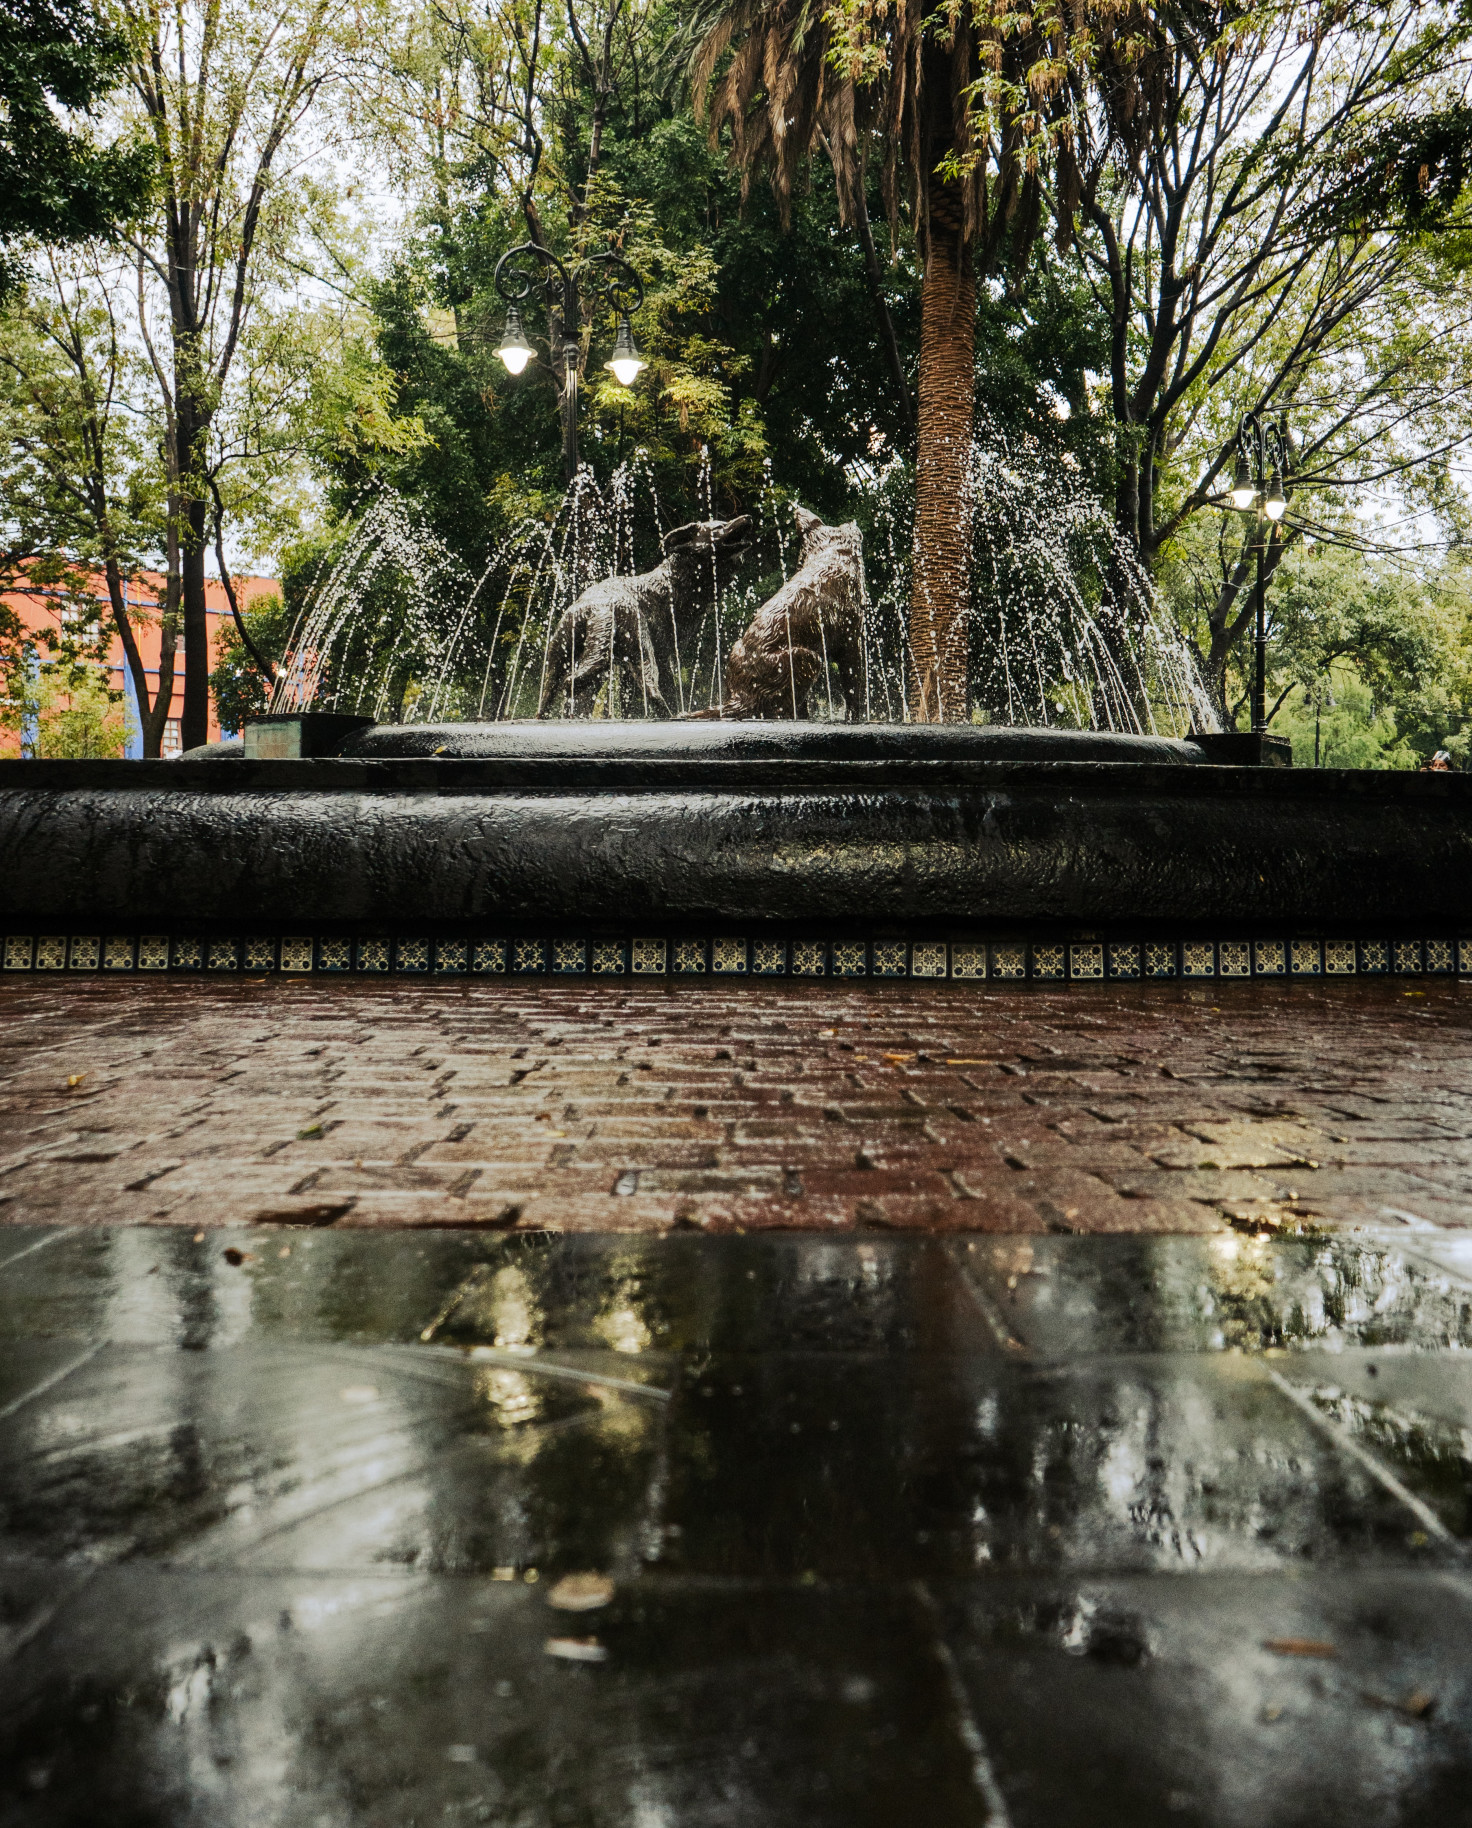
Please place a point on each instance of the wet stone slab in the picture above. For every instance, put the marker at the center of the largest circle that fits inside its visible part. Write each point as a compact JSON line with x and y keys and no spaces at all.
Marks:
{"x":1284,"y":1700}
{"x":1035,"y":1530}
{"x":1228,"y":1293}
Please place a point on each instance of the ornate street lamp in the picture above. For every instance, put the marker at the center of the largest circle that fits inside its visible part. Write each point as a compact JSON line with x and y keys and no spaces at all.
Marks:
{"x":1257,"y":486}
{"x":607,"y":278}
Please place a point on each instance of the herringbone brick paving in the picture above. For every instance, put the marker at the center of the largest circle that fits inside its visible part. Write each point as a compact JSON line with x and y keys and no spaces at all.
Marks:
{"x":549,"y":1105}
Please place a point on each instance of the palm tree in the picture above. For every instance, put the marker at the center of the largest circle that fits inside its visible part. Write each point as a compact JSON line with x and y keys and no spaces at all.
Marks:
{"x":962,"y":107}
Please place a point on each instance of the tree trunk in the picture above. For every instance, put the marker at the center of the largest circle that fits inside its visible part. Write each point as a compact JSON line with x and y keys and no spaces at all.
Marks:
{"x":940,"y":590}
{"x":194,"y":727}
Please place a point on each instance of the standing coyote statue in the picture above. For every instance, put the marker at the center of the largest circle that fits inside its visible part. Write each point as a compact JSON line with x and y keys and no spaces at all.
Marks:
{"x":641,"y":630}
{"x":816,"y":617}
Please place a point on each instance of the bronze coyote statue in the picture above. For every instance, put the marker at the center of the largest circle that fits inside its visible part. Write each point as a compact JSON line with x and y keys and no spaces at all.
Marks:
{"x":640,"y":631}
{"x":816,"y":617}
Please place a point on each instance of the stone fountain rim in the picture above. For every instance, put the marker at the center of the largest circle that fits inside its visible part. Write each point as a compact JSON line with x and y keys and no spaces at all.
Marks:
{"x":717,"y":740}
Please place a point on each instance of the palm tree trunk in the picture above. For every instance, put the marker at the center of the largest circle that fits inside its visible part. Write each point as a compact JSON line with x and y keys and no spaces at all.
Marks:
{"x":940,"y":589}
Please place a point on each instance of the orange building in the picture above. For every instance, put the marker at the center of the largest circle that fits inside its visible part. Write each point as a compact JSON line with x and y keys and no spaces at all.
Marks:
{"x":48,"y":608}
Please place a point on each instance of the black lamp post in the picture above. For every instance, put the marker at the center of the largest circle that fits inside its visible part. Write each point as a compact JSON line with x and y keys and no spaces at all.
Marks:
{"x":1258,"y":487}
{"x":527,"y":268}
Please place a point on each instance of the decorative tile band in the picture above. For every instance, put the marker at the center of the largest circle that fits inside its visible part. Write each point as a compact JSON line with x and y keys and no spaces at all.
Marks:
{"x":731,"y":956}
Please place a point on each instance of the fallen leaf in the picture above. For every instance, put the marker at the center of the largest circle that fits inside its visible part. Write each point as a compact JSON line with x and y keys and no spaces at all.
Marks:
{"x":74,"y":1079}
{"x":1299,"y":1647}
{"x":1418,"y":1704}
{"x":896,"y":1056}
{"x":312,"y":1133}
{"x":966,"y":1060}
{"x":580,"y":1592}
{"x":199,"y":1237}
{"x":576,"y":1650}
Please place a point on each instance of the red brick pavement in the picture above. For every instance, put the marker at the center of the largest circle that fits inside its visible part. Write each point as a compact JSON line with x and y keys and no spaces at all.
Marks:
{"x":536,"y":1104}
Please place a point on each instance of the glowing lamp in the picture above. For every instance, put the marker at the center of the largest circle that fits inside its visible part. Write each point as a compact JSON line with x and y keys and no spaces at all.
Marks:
{"x":626,"y":360}
{"x":514,"y":350}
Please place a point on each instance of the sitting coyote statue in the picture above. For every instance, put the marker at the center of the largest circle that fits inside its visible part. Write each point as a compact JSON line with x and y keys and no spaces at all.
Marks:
{"x":641,"y":630}
{"x":816,"y":617}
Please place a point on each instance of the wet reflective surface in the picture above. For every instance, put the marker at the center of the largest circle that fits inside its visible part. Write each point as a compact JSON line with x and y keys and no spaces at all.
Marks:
{"x":1032,"y":1531}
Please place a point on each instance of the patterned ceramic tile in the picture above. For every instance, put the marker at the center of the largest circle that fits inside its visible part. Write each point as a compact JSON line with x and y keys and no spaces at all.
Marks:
{"x":646,"y":958}
{"x":733,"y":956}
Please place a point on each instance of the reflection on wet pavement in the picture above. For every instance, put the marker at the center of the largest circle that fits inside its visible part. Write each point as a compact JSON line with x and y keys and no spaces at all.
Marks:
{"x":1033,"y":1531}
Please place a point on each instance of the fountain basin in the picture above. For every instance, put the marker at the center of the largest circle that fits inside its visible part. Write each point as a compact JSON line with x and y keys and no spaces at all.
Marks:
{"x":422,"y":847}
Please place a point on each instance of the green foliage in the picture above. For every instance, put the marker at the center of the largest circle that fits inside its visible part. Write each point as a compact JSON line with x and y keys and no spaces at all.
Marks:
{"x":55,"y":183}
{"x":1377,"y":654}
{"x":1336,"y":723}
{"x":63,"y":710}
{"x":240,"y":690}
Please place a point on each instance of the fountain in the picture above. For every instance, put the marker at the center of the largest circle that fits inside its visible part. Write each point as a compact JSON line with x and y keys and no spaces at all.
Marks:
{"x":631,"y":748}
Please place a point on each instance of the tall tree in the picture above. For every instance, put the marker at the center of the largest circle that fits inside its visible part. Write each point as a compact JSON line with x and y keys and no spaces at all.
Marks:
{"x":1255,"y":229}
{"x":961,"y":101}
{"x":225,"y":88}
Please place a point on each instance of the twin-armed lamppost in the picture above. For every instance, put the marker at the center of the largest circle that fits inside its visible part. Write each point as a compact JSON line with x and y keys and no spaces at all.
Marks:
{"x":1258,"y":485}
{"x":528,"y":268}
